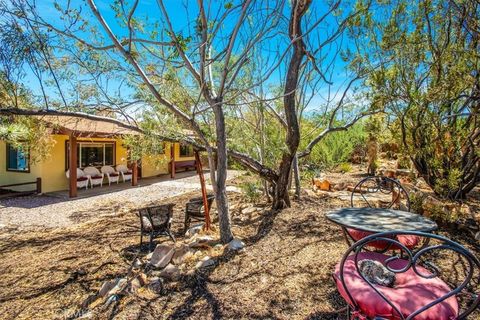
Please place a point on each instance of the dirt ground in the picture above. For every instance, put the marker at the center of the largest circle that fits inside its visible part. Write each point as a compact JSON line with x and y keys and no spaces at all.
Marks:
{"x":285,"y":271}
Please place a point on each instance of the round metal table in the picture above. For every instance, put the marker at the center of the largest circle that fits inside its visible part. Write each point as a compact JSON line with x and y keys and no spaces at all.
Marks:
{"x":381,"y":220}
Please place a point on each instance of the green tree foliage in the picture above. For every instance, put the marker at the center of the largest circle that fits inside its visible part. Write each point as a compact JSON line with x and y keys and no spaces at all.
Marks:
{"x":336,"y":148}
{"x":425,"y":64}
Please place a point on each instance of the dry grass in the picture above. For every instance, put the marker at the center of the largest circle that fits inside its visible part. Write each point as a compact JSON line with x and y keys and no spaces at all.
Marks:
{"x":284,"y":273}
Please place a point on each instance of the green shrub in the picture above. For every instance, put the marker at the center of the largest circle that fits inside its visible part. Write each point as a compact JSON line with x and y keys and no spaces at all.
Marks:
{"x":252,"y":190}
{"x":344,"y":167}
{"x":336,"y":148}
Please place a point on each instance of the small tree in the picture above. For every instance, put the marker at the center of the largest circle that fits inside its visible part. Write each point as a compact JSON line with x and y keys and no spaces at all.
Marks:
{"x":430,"y":82}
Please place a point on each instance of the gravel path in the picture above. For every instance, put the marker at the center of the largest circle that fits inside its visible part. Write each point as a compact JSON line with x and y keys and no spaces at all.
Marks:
{"x":54,"y":211}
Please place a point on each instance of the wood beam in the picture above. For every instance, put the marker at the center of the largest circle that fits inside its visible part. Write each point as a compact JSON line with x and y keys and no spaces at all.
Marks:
{"x":73,"y":166}
{"x":172,"y":160}
{"x":134,"y":173}
{"x":199,"y":167}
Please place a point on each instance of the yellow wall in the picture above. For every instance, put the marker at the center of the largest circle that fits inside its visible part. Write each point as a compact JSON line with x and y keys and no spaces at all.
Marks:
{"x":157,"y":165}
{"x":52,"y":169}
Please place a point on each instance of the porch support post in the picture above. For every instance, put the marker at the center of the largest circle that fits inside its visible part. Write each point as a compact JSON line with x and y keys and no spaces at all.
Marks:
{"x":199,"y":167}
{"x":73,"y":166}
{"x":134,"y":173}
{"x":172,"y":160}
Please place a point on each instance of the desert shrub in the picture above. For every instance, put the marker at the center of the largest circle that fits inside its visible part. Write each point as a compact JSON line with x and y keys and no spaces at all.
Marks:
{"x":344,"y":167}
{"x":252,"y":190}
{"x":336,"y":148}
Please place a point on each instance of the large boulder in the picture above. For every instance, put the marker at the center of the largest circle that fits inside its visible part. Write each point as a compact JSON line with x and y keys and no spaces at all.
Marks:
{"x":162,"y":255}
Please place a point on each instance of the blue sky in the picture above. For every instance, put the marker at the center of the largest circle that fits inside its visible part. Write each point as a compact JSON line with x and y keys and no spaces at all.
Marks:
{"x":182,"y":14}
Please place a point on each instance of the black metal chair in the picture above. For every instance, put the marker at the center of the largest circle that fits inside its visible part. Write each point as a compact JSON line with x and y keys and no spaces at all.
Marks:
{"x":195,"y":211}
{"x":156,"y":221}
{"x":420,"y":291}
{"x":380,"y":192}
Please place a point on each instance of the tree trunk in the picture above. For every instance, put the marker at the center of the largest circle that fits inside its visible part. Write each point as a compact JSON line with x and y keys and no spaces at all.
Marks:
{"x":296,"y":177}
{"x":220,"y":192}
{"x":281,"y":198}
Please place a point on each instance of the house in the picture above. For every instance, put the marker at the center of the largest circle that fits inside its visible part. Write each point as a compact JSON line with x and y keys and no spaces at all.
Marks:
{"x":98,"y":142}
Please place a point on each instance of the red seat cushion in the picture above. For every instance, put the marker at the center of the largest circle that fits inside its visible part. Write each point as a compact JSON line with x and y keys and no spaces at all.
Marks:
{"x":82,"y":178}
{"x":97,"y":177}
{"x":113,"y":174}
{"x":409,"y":293}
{"x":409,"y":241}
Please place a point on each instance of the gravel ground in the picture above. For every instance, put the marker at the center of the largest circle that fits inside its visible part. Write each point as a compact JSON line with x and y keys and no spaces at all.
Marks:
{"x":53,"y":211}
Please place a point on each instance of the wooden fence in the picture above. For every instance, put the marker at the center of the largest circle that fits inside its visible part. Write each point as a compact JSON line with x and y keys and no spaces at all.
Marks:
{"x":7,"y":192}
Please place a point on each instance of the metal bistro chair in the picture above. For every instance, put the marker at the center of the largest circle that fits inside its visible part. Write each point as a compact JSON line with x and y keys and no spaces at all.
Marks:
{"x":420,"y":290}
{"x":195,"y":211}
{"x":379,"y":192}
{"x":156,"y":221}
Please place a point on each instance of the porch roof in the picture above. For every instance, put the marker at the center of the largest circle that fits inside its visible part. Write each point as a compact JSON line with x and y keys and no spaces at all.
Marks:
{"x":77,"y":123}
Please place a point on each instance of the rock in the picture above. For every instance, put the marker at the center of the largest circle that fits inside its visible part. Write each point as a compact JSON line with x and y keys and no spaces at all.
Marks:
{"x":162,"y":255}
{"x":171,"y":272}
{"x":181,"y":253}
{"x":106,"y":287}
{"x":202,"y":241}
{"x":390,"y":173}
{"x":137,"y":263}
{"x":477,"y":236}
{"x":142,"y":277}
{"x":322,"y":184}
{"x":339,"y":186}
{"x":112,"y":287}
{"x":249,"y":210}
{"x":194,"y":230}
{"x":403,"y":173}
{"x":135,"y":285}
{"x":205,"y":262}
{"x":236,"y":244}
{"x":156,"y":285}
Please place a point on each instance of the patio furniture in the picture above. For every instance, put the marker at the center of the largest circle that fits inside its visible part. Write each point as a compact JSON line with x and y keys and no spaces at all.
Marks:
{"x":380,"y":192}
{"x":111,"y":174}
{"x":195,"y":210}
{"x":82,"y":178}
{"x":185,"y":164}
{"x":420,"y":291}
{"x":96,"y":177}
{"x":365,"y":221}
{"x":156,"y":221}
{"x":124,"y":172}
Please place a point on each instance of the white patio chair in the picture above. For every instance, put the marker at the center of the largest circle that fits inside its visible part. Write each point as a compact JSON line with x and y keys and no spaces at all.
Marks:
{"x":96,"y":177}
{"x":124,"y":172}
{"x":111,"y":174}
{"x":82,"y":178}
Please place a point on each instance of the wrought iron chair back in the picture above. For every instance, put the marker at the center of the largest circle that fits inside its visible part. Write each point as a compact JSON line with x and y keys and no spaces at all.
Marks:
{"x":414,"y":259}
{"x":155,"y":221}
{"x":194,"y":209}
{"x":389,"y":192}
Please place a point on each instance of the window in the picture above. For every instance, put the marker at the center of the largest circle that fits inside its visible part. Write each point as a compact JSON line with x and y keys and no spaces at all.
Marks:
{"x":93,"y":154}
{"x":17,"y":160}
{"x":186,"y":150}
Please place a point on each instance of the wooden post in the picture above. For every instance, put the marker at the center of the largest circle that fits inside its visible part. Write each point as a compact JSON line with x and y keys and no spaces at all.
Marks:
{"x":39,"y":185}
{"x":73,"y":166}
{"x":204,"y":189}
{"x":172,"y":160}
{"x":134,"y":173}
